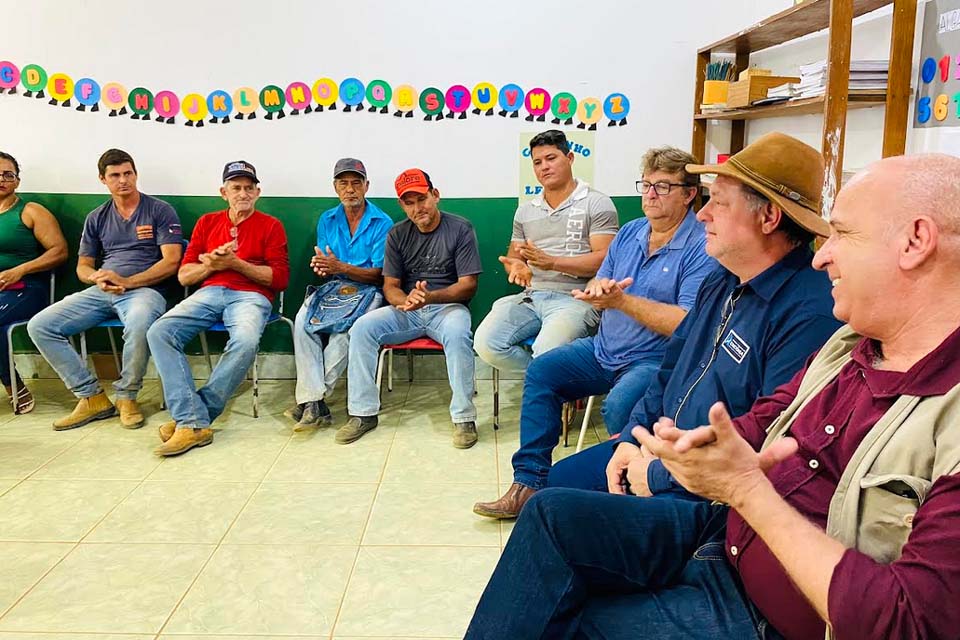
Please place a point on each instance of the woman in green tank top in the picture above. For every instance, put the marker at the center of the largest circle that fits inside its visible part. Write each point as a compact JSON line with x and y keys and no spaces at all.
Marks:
{"x":31,"y":242}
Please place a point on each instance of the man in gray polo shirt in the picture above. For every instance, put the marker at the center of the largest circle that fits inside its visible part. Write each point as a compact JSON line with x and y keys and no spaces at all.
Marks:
{"x":559,"y":240}
{"x":138,"y":241}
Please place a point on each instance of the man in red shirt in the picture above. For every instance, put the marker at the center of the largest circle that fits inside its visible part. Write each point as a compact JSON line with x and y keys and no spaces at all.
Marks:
{"x":836,"y":499}
{"x":240,"y":257}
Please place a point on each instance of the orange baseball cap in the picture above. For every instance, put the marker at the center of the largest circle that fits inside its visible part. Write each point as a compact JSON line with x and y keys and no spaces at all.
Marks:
{"x":415,"y":180}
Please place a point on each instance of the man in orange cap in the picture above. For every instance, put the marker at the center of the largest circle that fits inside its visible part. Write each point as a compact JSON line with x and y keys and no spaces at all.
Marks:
{"x":430,"y":266}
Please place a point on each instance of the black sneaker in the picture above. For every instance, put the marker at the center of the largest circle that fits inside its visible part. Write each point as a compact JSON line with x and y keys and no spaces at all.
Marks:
{"x":324,"y":417}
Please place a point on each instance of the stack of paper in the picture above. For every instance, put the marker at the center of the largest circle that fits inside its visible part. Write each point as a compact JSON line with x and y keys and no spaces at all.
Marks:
{"x":864,"y":75}
{"x":783,"y":91}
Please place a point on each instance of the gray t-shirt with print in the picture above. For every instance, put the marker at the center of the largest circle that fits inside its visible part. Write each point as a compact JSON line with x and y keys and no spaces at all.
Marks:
{"x":564,"y":231}
{"x":440,"y":257}
{"x":130,"y":246}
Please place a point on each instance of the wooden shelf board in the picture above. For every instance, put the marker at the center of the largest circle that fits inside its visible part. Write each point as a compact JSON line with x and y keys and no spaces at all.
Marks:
{"x":797,"y":21}
{"x":794,"y":107}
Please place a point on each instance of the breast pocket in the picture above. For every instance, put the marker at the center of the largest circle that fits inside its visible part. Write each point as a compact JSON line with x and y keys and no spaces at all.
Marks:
{"x":888,"y":504}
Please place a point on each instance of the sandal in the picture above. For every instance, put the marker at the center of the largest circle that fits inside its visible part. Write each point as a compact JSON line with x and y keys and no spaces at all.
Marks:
{"x":24,"y":402}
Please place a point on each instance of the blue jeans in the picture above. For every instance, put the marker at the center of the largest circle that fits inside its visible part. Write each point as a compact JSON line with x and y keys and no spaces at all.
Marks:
{"x":16,"y":306}
{"x":555,"y":318}
{"x":586,"y":565}
{"x":137,"y":309}
{"x":318,"y":365}
{"x":244,"y":314}
{"x":448,"y":324}
{"x":584,"y":470}
{"x":563,"y":375}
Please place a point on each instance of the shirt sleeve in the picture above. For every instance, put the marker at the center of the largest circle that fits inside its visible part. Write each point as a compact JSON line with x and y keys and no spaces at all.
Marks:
{"x":379,"y":244}
{"x":518,"y":235}
{"x":909,"y":597}
{"x":794,"y":343}
{"x":604,"y":220}
{"x":168,"y":225}
{"x":697,"y":265}
{"x":321,"y":235}
{"x":198,"y":242}
{"x":277,"y":258}
{"x":607,"y":267}
{"x":753,"y":425}
{"x":392,"y":262}
{"x":90,"y":245}
{"x":467,"y":260}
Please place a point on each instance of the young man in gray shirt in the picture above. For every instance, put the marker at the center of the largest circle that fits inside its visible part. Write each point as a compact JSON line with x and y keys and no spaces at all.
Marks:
{"x":559,"y":240}
{"x":430,"y":266}
{"x":139,"y":241}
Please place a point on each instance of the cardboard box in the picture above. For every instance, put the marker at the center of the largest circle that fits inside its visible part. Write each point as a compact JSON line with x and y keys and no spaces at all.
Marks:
{"x":742,"y":93}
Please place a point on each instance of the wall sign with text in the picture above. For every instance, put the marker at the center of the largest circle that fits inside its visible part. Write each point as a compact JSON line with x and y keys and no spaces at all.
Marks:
{"x":275,"y":101}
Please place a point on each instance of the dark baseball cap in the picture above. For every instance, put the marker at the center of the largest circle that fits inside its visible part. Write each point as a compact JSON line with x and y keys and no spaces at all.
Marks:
{"x":240,"y":169}
{"x":351,"y":165}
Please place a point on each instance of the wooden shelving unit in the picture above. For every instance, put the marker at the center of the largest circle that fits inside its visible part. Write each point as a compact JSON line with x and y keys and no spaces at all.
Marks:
{"x":800,"y":20}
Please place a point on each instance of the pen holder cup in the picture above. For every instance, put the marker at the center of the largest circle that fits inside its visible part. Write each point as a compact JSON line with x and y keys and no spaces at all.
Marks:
{"x":715,"y":91}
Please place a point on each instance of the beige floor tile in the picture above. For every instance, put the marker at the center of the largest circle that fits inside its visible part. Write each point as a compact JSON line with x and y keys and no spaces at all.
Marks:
{"x":241,"y":591}
{"x":426,"y":456}
{"x":6,"y":484}
{"x":58,"y":510}
{"x":23,"y":564}
{"x":393,"y":638}
{"x":298,"y":512}
{"x":416,"y":591}
{"x":73,"y":636}
{"x":233,"y":457}
{"x":431,"y":514}
{"x":109,"y":589}
{"x":169,"y":636}
{"x":108,"y":454}
{"x":22,"y":455}
{"x":184,"y":511}
{"x":315,"y":457}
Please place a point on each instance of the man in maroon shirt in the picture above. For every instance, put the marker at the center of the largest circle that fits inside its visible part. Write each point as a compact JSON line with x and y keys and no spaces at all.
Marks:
{"x":240,"y":257}
{"x":816,"y":536}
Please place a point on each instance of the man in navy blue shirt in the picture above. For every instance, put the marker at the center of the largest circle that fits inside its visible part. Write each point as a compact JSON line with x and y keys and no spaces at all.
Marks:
{"x":754,"y":324}
{"x":645,"y":286}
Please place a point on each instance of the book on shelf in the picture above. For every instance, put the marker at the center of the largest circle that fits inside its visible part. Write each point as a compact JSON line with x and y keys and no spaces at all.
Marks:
{"x":855,"y":65}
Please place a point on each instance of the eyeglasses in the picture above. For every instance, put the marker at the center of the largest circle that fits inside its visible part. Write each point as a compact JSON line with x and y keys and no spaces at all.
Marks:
{"x":9,"y":176}
{"x":662,"y":188}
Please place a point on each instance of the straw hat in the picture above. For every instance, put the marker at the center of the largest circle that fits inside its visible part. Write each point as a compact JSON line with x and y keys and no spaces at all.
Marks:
{"x":785,"y":170}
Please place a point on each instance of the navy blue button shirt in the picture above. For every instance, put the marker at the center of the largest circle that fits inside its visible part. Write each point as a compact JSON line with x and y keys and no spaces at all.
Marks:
{"x":738,"y":343}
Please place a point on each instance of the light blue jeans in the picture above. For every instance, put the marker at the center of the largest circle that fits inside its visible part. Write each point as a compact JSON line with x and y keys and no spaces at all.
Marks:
{"x":137,"y":310}
{"x":319,"y":366}
{"x":555,"y":317}
{"x":448,"y":324}
{"x":244,"y":314}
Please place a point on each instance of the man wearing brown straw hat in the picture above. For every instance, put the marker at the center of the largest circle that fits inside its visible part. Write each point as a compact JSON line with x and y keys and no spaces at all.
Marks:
{"x":842,"y":486}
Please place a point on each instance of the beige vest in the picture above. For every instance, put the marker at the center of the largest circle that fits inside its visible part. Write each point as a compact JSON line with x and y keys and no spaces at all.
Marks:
{"x":915,"y":442}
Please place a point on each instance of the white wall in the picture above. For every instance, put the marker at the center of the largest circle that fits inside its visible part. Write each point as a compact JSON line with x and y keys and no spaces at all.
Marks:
{"x":644,"y":48}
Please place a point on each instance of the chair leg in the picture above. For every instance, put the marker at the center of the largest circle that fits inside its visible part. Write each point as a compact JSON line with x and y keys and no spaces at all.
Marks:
{"x":206,"y":350}
{"x":496,"y":399}
{"x":256,"y":387}
{"x":410,"y":365}
{"x":83,"y":348}
{"x":586,"y":422}
{"x":390,"y":370}
{"x":113,"y":349}
{"x":13,"y":370}
{"x":383,"y":354}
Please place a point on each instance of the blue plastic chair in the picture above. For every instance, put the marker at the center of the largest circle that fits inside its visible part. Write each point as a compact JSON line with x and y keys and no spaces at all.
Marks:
{"x":496,"y":386}
{"x":275,"y":316}
{"x":9,"y":329}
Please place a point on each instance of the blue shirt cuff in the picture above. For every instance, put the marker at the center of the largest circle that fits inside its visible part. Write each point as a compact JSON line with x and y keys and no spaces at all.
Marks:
{"x":659,"y":479}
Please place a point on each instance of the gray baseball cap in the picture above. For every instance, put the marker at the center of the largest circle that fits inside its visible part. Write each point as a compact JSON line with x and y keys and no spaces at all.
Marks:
{"x":351,"y":165}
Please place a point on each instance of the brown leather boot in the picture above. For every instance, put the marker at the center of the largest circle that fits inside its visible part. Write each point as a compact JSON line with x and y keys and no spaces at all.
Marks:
{"x":130,"y":415}
{"x":167,"y":429}
{"x":87,"y":410}
{"x":184,"y":439}
{"x":508,"y":506}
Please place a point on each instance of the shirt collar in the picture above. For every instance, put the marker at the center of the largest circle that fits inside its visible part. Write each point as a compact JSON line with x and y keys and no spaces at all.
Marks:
{"x":935,"y":374}
{"x":579,"y":193}
{"x":679,"y":240}
{"x":370,"y":213}
{"x":767,"y":284}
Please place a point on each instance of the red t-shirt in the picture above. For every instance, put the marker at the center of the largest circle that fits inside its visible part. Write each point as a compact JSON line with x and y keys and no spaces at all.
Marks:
{"x":261,"y":240}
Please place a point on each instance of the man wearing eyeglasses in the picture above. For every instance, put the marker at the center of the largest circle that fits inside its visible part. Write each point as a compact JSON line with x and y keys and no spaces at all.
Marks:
{"x":559,"y":239}
{"x":645,"y":286}
{"x":350,"y":245}
{"x":239,"y":258}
